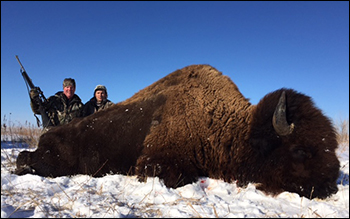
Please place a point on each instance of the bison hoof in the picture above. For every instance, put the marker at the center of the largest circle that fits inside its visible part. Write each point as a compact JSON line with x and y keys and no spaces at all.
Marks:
{"x":24,"y":170}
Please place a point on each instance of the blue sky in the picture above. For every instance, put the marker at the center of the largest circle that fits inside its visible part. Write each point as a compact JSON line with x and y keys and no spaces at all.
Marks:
{"x":126,"y":46}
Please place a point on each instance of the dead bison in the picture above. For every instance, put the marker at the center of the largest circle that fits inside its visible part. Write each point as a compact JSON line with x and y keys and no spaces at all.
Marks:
{"x":195,"y":122}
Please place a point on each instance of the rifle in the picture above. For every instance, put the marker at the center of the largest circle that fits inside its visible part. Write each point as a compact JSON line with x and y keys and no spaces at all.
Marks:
{"x":39,"y":100}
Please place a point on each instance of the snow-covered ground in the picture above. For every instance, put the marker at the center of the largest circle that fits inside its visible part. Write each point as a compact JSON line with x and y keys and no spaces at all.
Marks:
{"x":123,"y":196}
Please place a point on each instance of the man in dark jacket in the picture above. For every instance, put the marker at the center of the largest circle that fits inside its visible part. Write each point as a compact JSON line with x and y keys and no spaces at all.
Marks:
{"x":98,"y":102}
{"x":62,"y":107}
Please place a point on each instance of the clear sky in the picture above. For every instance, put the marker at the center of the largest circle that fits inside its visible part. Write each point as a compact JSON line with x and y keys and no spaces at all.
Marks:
{"x":126,"y":46}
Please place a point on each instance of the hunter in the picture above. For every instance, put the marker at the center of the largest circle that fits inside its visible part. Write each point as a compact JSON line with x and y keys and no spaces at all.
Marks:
{"x":62,"y":107}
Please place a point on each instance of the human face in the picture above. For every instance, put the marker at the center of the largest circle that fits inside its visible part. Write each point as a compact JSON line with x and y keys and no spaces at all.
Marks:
{"x":69,"y":91}
{"x":100,"y":95}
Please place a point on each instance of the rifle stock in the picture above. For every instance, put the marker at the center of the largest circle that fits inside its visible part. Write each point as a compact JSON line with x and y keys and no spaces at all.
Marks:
{"x":40,"y":100}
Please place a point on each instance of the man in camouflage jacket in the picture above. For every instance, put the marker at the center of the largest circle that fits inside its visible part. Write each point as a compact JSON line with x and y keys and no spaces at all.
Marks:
{"x":63,"y":106}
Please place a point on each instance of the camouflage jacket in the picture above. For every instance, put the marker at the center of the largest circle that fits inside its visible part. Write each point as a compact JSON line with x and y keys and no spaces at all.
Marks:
{"x":61,"y":110}
{"x":91,"y":106}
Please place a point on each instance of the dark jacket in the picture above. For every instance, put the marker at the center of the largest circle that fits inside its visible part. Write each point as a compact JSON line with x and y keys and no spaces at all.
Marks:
{"x":91,"y":106}
{"x":61,"y":110}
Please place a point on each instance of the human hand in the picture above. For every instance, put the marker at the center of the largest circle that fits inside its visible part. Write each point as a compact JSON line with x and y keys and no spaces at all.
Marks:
{"x":33,"y":93}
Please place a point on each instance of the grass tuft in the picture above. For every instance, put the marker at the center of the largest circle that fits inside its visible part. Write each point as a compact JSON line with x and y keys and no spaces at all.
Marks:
{"x":342,"y":130}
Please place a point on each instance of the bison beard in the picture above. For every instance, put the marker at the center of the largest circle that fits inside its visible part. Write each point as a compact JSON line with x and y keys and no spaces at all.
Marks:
{"x":195,"y":122}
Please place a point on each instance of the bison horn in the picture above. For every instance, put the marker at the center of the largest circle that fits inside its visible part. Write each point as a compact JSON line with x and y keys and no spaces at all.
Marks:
{"x":279,"y":120}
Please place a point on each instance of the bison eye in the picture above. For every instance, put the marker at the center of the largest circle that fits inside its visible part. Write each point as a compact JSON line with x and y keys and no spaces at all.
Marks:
{"x":301,"y":154}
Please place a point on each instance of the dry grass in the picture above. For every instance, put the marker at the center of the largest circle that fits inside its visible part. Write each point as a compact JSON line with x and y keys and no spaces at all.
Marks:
{"x":27,"y":133}
{"x":342,"y":128}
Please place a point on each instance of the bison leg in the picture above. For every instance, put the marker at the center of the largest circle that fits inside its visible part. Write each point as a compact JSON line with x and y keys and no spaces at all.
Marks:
{"x":28,"y":162}
{"x":23,"y":159}
{"x":173,"y":171}
{"x":35,"y":163}
{"x":22,"y":164}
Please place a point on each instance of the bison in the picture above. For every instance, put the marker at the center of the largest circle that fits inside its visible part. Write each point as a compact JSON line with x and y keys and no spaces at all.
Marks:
{"x":195,"y":122}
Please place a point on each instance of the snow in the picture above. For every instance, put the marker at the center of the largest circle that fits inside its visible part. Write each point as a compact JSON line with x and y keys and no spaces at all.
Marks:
{"x":32,"y":196}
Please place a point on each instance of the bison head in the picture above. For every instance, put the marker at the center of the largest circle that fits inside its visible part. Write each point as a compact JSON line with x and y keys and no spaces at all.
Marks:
{"x":295,"y":144}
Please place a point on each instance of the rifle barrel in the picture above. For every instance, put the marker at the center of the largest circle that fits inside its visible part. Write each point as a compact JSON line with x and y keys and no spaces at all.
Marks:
{"x":22,"y":68}
{"x":40,"y":99}
{"x":25,"y":75}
